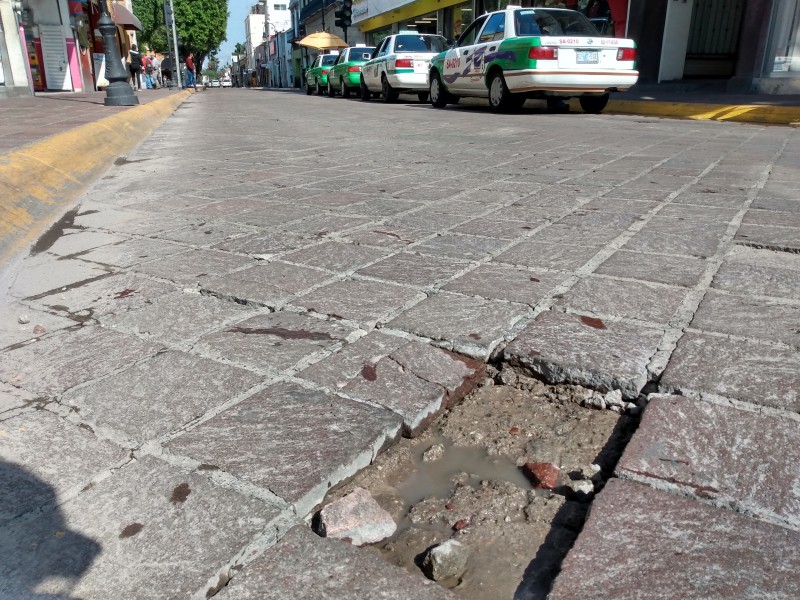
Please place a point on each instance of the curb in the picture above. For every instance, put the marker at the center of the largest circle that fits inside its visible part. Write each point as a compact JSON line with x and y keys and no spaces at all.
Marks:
{"x":742,"y":113}
{"x":38,"y":181}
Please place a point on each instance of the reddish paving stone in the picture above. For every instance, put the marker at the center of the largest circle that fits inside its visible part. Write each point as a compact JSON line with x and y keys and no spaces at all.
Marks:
{"x":752,"y":371}
{"x":733,"y":457}
{"x":304,"y":565}
{"x":644,"y":543}
{"x":542,"y":475}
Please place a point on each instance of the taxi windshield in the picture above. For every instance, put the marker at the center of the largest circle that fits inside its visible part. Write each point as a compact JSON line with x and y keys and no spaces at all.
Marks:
{"x":328,"y":60}
{"x":529,"y":22}
{"x":420,"y":43}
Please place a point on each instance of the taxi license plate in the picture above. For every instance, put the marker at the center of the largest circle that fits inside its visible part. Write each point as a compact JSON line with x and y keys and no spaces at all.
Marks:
{"x":584,"y":57}
{"x":420,"y":66}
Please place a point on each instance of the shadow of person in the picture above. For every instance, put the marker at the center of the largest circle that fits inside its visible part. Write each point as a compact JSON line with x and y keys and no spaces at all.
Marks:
{"x":41,"y":559}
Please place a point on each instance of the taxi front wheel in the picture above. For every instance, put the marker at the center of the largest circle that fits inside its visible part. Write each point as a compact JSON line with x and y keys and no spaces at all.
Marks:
{"x":343,"y":89}
{"x":308,"y":89}
{"x":319,"y":88}
{"x":593,"y":104}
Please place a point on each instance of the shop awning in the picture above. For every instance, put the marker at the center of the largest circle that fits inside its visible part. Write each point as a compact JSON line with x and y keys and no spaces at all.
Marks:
{"x":123,"y":17}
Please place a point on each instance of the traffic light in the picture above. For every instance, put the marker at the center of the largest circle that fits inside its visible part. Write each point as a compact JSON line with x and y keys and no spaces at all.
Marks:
{"x":344,"y":17}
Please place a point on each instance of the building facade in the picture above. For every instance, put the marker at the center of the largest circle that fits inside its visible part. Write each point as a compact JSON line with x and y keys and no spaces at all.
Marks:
{"x":14,"y":78}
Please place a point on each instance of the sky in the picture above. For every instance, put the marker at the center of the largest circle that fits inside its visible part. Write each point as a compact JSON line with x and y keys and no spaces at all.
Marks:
{"x":237,"y":11}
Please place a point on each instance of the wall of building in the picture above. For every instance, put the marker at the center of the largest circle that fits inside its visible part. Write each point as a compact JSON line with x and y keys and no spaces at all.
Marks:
{"x":14,"y":79}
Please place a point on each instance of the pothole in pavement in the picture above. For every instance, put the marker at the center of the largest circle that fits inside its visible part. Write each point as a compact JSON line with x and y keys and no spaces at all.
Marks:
{"x":465,"y":479}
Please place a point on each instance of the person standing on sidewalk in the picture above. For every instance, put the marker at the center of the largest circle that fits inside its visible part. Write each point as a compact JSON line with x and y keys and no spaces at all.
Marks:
{"x":135,"y":66}
{"x":191,"y":80}
{"x":148,"y":71}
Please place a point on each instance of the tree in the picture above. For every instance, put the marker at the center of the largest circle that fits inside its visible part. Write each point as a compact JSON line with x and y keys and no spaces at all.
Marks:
{"x":201,"y":25}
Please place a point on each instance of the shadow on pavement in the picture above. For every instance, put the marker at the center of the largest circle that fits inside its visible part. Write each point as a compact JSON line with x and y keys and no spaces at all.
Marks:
{"x":37,"y":545}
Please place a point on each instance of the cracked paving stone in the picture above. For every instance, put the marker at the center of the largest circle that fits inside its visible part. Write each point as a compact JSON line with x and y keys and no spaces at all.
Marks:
{"x":132,"y":252}
{"x":744,"y":460}
{"x":293,"y":441}
{"x":49,"y":276}
{"x":178,"y":318}
{"x":12,"y":398}
{"x":638,"y":538}
{"x":205,"y":234}
{"x":28,"y":440}
{"x":414,"y":269}
{"x":585,"y":350}
{"x":269,"y":284}
{"x":366,"y":302}
{"x":500,"y":282}
{"x":158,"y":395}
{"x":148,"y":528}
{"x":751,"y":371}
{"x":549,"y":256}
{"x":14,"y":332}
{"x":759,"y":272}
{"x":782,"y":238}
{"x":471,"y":326}
{"x":304,"y":565}
{"x":675,"y":270}
{"x":335,"y":256}
{"x":192,"y":268}
{"x":55,"y":364}
{"x":276,"y":340}
{"x":82,"y":241}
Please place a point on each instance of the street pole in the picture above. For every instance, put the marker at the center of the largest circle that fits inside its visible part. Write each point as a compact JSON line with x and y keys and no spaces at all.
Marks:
{"x":176,"y":59}
{"x":119,"y":92}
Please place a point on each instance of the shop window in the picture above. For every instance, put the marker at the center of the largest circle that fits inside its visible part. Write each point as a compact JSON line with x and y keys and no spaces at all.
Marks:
{"x":783,"y":59}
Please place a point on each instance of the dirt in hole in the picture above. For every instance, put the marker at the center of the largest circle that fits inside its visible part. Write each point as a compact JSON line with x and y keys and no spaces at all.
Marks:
{"x":475,"y":491}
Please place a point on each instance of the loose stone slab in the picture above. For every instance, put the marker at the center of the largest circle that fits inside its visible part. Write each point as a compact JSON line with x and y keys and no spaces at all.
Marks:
{"x":293,"y":441}
{"x":132,"y":252}
{"x":367,"y":302}
{"x":675,"y":270}
{"x":744,"y":370}
{"x":414,"y":269}
{"x":148,"y":529}
{"x":158,"y":395}
{"x":623,"y":298}
{"x":747,"y":461}
{"x":335,"y":256}
{"x":640,"y":542}
{"x":177,"y":318}
{"x":471,"y":326}
{"x":191,"y":268}
{"x":501,"y":282}
{"x":759,"y":272}
{"x":305,"y":565}
{"x":50,"y":366}
{"x":269,"y":284}
{"x":550,"y":256}
{"x":749,"y":317}
{"x":276,"y":340}
{"x":357,"y":518}
{"x":44,"y":459}
{"x":585,"y":350}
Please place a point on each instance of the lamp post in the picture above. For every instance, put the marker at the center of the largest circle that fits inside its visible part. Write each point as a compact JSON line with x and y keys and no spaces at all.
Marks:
{"x":119,"y":92}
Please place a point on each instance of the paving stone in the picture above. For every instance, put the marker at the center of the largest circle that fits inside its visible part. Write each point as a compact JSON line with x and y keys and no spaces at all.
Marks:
{"x":471,"y":326}
{"x":700,"y":213}
{"x":366,"y":302}
{"x":52,"y":365}
{"x":585,"y":350}
{"x":271,"y":215}
{"x":589,"y":219}
{"x":550,"y":256}
{"x":276,"y":340}
{"x":193,"y":268}
{"x":43,"y":276}
{"x":158,"y":395}
{"x":624,"y":298}
{"x":639,"y":542}
{"x":266,"y":284}
{"x":496,"y":228}
{"x":781,"y":238}
{"x":231,"y":206}
{"x":205,"y":234}
{"x":12,"y":398}
{"x":429,"y":221}
{"x":722,"y":200}
{"x":498,"y":281}
{"x":178,"y":318}
{"x":385,"y":236}
{"x":743,"y":370}
{"x":132,"y":252}
{"x":81,"y":241}
{"x":773,"y":218}
{"x":749,"y":317}
{"x":460,"y":247}
{"x":149,"y":530}
{"x":305,"y":566}
{"x":14,"y":332}
{"x":744,"y":460}
{"x":414,"y":269}
{"x":675,"y":270}
{"x":43,"y":457}
{"x":116,"y":294}
{"x":578,"y":236}
{"x":779,"y":204}
{"x":622,"y":205}
{"x":335,"y":256}
{"x":649,"y":240}
{"x":320,"y":225}
{"x":263,"y":244}
{"x":294,"y":441}
{"x":759,"y":272}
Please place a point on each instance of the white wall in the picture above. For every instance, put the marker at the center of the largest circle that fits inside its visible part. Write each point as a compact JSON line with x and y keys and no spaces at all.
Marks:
{"x":676,"y":39}
{"x":254,"y":36}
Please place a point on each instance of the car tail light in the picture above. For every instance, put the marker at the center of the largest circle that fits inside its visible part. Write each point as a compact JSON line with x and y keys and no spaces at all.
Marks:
{"x":626,"y":54}
{"x":354,"y":69}
{"x":403,"y":63}
{"x":543,"y":53}
{"x":324,"y":71}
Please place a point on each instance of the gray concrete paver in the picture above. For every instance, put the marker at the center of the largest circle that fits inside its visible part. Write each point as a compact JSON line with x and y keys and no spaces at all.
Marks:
{"x":767,"y":236}
{"x":759,"y":272}
{"x":501,"y":282}
{"x":414,"y":269}
{"x":532,"y":253}
{"x":43,"y":276}
{"x":335,"y":256}
{"x":193,"y":267}
{"x":675,"y":270}
{"x":132,"y":252}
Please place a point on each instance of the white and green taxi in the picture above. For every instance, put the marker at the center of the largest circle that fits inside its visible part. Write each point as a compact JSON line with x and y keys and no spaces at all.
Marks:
{"x":400,"y":65}
{"x":519,"y":53}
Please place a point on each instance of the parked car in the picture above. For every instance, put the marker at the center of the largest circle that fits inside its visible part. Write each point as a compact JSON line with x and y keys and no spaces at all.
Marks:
{"x":345,"y":75}
{"x":215,"y":83}
{"x":519,"y":53}
{"x":226,"y":82}
{"x":317,"y":75}
{"x":400,"y":65}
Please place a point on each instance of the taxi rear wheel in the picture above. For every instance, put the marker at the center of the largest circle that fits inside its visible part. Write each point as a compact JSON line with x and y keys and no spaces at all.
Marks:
{"x":343,"y":89}
{"x":500,"y":99}
{"x":319,"y":88}
{"x":593,"y":104}
{"x":366,"y":95}
{"x":389,"y":95}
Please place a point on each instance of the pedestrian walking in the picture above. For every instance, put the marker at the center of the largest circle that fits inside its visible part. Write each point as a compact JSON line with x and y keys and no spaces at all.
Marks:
{"x":135,"y":66}
{"x":157,"y":71}
{"x":191,"y":80}
{"x":148,"y":71}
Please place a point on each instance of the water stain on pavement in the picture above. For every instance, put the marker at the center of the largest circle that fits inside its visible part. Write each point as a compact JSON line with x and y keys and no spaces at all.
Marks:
{"x":52,"y":235}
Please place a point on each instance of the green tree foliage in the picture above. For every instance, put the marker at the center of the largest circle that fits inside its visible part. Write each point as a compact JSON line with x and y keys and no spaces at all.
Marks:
{"x":201,"y":25}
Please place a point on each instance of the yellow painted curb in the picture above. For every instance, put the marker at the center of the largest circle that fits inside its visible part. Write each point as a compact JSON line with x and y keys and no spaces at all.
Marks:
{"x":743,"y":113}
{"x":38,"y":181}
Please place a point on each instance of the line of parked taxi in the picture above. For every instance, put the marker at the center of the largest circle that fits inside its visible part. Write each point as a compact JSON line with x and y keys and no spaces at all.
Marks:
{"x":506,"y":56}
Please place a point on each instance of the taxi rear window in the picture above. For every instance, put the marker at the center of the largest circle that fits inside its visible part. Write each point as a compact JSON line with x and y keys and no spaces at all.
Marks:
{"x":328,"y":60}
{"x":420,"y":43}
{"x":361,"y":54}
{"x":528,"y":22}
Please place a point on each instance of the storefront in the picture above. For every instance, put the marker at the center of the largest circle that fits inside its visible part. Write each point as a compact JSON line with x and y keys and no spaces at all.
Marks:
{"x":379,"y":18}
{"x":783,"y":50}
